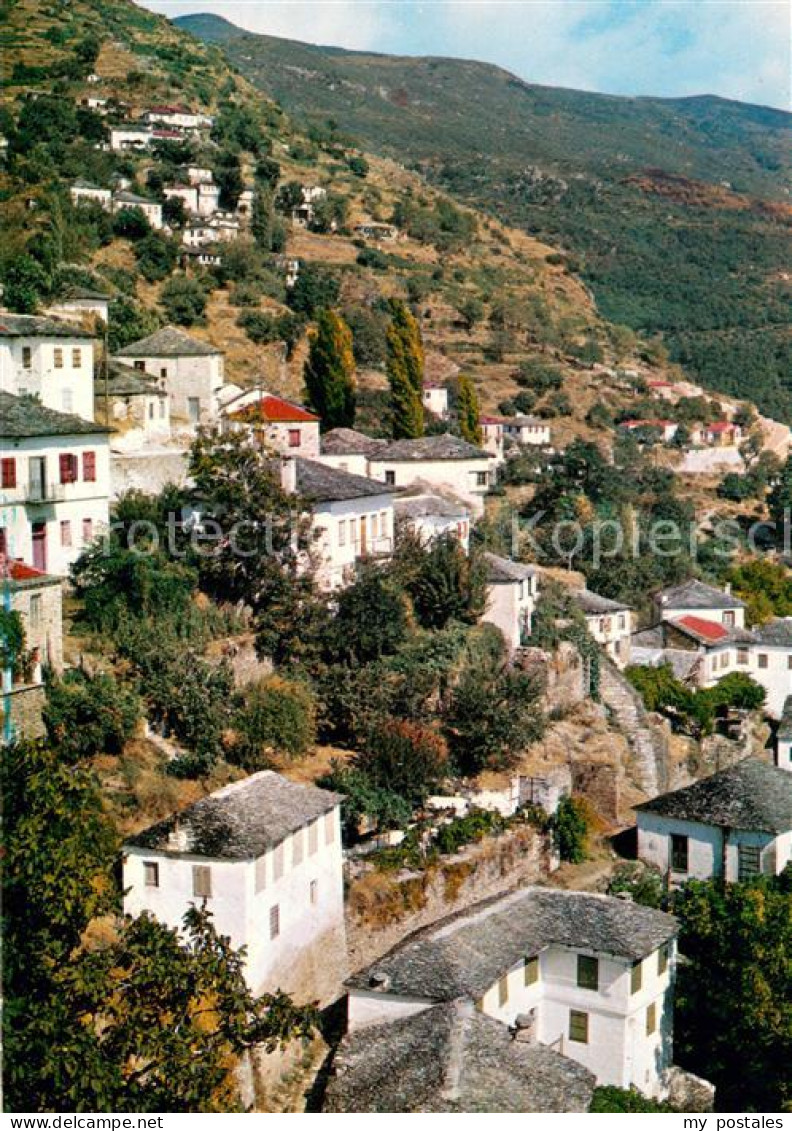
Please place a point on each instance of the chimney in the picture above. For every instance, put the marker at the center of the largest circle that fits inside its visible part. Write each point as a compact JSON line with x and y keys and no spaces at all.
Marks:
{"x":727,"y":589}
{"x":288,"y":474}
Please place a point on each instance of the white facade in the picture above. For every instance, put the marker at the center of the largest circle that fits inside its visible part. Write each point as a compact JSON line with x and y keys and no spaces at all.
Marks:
{"x":510,"y":600}
{"x":193,"y":383}
{"x":613,"y":632}
{"x":208,"y":198}
{"x":129,"y":137}
{"x":285,"y":427}
{"x":150,"y":208}
{"x":179,"y":117}
{"x":187,"y":194}
{"x":526,"y":430}
{"x":56,"y":369}
{"x":83,"y":193}
{"x":468,"y":479}
{"x":79,"y":308}
{"x":430,"y":517}
{"x":435,"y":399}
{"x":492,"y":437}
{"x":347,"y":531}
{"x":709,"y":850}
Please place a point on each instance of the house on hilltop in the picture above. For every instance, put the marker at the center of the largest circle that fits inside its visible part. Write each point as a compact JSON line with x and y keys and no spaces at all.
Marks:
{"x":443,"y":461}
{"x":50,"y":359}
{"x":511,"y":598}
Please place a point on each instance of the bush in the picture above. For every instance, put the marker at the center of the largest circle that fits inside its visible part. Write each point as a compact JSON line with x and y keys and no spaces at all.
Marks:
{"x":87,"y":715}
{"x":608,"y":1099}
{"x":156,"y":257}
{"x":642,"y":882}
{"x":275,"y":714}
{"x":569,"y":826}
{"x":183,"y":300}
{"x":407,"y":758}
{"x":131,"y":224}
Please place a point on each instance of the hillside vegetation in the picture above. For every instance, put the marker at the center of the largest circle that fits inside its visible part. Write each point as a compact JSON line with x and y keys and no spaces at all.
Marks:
{"x":677,"y":212}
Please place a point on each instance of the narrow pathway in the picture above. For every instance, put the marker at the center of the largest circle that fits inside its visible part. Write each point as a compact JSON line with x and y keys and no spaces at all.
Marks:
{"x":647,"y":742}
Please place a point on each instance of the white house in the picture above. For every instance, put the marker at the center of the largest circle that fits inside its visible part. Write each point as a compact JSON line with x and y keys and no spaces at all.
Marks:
{"x":783,"y":738}
{"x":52,"y":360}
{"x":197,"y":174}
{"x":588,"y":976}
{"x":54,"y":483}
{"x":191,"y":371}
{"x":288,"y":428}
{"x":511,"y":598}
{"x":129,"y":137}
{"x":430,"y":516}
{"x":435,"y":399}
{"x":177,"y":117}
{"x":352,"y":517}
{"x":208,"y":198}
{"x":81,"y":304}
{"x":734,"y":825}
{"x":526,"y":430}
{"x":151,"y":209}
{"x":665,"y":430}
{"x":134,"y":404}
{"x":84,"y":192}
{"x":349,"y":450}
{"x":187,"y":194}
{"x":492,"y":436}
{"x":609,"y":622}
{"x":435,"y":461}
{"x":264,"y":856}
{"x":696,"y":598}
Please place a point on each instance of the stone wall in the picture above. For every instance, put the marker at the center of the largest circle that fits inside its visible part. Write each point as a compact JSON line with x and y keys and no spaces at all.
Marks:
{"x":599,"y":784}
{"x":564,"y":673}
{"x":25,"y":706}
{"x":146,"y":471}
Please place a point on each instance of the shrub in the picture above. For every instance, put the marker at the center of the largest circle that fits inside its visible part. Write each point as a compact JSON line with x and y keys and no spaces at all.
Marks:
{"x":277,"y":714}
{"x":405,"y":757}
{"x":183,"y":300}
{"x":131,"y":224}
{"x":569,"y":826}
{"x":87,"y":715}
{"x":642,"y":882}
{"x":156,"y":257}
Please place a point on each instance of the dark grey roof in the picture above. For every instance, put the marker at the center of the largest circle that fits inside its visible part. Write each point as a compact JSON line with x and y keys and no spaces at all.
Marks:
{"x":421,"y":506}
{"x":752,"y":795}
{"x":785,"y":724}
{"x":445,"y":447}
{"x":33,"y":326}
{"x":126,"y":381}
{"x":696,"y":594}
{"x":465,"y":955}
{"x":452,"y":1058}
{"x":505,"y":569}
{"x":83,"y":184}
{"x":168,"y":342}
{"x":525,"y":422}
{"x":776,"y":632}
{"x":593,"y":604}
{"x":133,"y":198}
{"x":23,"y":417}
{"x":349,"y":442}
{"x":239,"y":822}
{"x":74,"y":293}
{"x":321,"y":484}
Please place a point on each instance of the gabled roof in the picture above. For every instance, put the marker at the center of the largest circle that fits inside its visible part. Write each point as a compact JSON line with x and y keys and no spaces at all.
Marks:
{"x":592,"y":604}
{"x":273,"y":410}
{"x":349,"y":442}
{"x":33,"y":326}
{"x":445,"y":447}
{"x":126,"y":197}
{"x":321,"y":484}
{"x":429,"y":506}
{"x":25,"y":417}
{"x":466,"y":955}
{"x":452,"y":1058}
{"x":708,"y":631}
{"x":522,"y":421}
{"x":776,"y":632}
{"x":752,"y":795}
{"x":506,"y":570}
{"x":72,"y":294}
{"x":696,"y":594}
{"x":168,"y":342}
{"x":126,"y":381}
{"x":240,"y":821}
{"x":83,"y":184}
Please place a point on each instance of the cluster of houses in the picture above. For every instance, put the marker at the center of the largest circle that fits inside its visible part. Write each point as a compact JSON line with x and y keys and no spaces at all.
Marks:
{"x":720,"y":434}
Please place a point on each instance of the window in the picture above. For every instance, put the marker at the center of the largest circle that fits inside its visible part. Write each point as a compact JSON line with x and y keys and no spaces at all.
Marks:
{"x":294,"y":437}
{"x":68,"y":467}
{"x":278,"y":861}
{"x":87,"y":530}
{"x":139,"y":365}
{"x":297,"y":848}
{"x":58,"y":357}
{"x":481,"y":479}
{"x":313,"y":838}
{"x":151,"y":410}
{"x":587,"y":972}
{"x":636,"y":977}
{"x":314,"y":892}
{"x":789,"y":662}
{"x":390,"y":478}
{"x":150,"y":874}
{"x":9,"y":473}
{"x":342,"y":532}
{"x":163,"y":406}
{"x":261,"y":873}
{"x":679,"y":853}
{"x":76,"y":357}
{"x":202,"y":881}
{"x":274,"y":921}
{"x":728,"y":620}
{"x":578,"y":1026}
{"x":34,"y":613}
{"x":163,"y":374}
{"x":662,"y":959}
{"x":531,"y":971}
{"x":27,"y":357}
{"x":89,"y":467}
{"x":762,"y":660}
{"x":329,"y":827}
{"x":503,"y":990}
{"x":194,"y":410}
{"x":749,"y":861}
{"x":742,"y":656}
{"x":66,"y":533}
{"x":67,"y":400}
{"x":651,"y":1019}
{"x":621,"y":620}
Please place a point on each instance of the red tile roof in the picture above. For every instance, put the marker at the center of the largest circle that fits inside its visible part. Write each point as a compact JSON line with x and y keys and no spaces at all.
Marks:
{"x":13,"y":570}
{"x":720,"y":426}
{"x":492,"y":420}
{"x":275,"y":410}
{"x":707,"y":629}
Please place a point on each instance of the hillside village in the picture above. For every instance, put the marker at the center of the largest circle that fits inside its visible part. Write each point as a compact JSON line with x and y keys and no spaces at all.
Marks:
{"x":341,"y":640}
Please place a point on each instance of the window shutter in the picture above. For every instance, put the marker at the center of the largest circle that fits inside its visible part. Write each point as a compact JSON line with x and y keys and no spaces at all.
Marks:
{"x":89,"y":467}
{"x":9,"y":473}
{"x":64,"y":461}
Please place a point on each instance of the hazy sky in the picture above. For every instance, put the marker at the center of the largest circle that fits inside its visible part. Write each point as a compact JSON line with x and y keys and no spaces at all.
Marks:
{"x":735,"y":48}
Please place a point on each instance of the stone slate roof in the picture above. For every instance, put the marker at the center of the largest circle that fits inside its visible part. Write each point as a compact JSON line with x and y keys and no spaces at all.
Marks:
{"x":506,"y":570}
{"x":33,"y":326}
{"x":429,"y":506}
{"x":776,"y":632}
{"x":593,"y":604}
{"x":526,"y":422}
{"x":752,"y":795}
{"x":321,"y":484}
{"x":168,"y":342}
{"x":133,"y":198}
{"x":695,"y":594}
{"x":785,"y":723}
{"x":24,"y":417}
{"x":465,"y":955}
{"x":73,"y":294}
{"x":126,"y":381}
{"x":239,"y":822}
{"x":445,"y":447}
{"x":349,"y":442}
{"x":452,"y":1058}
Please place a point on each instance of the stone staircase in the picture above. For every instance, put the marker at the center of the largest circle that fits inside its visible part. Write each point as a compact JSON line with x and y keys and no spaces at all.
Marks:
{"x":647,"y":742}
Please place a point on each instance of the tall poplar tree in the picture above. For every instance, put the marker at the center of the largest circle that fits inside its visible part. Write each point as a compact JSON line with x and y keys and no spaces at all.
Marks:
{"x":330,"y":372}
{"x":405,"y":367}
{"x":468,"y":412}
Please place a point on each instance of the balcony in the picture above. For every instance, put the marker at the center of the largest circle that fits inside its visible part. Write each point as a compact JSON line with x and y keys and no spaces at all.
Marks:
{"x":38,"y":492}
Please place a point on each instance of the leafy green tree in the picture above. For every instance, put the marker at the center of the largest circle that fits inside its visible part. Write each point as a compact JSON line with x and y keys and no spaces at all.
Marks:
{"x":12,"y":638}
{"x":184,"y":301}
{"x":317,"y":288}
{"x":273,"y":714}
{"x":371,"y":621}
{"x":468,"y":412}
{"x":25,"y":284}
{"x":174,"y":212}
{"x":358,"y":165}
{"x":364,"y":799}
{"x":131,"y":224}
{"x":156,"y":256}
{"x":736,"y":937}
{"x":329,"y":372}
{"x":493,"y":714}
{"x":569,"y":826}
{"x":779,"y":501}
{"x":765,"y":586}
{"x":87,"y":715}
{"x":368,"y":326}
{"x":289,"y":197}
{"x":405,"y":757}
{"x":446,"y":583}
{"x":128,"y":321}
{"x":267,"y":172}
{"x":228,"y":178}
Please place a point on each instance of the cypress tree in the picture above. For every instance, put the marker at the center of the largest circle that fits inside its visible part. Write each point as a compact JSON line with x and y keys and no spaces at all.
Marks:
{"x":405,"y":372}
{"x":330,"y":372}
{"x":468,"y":412}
